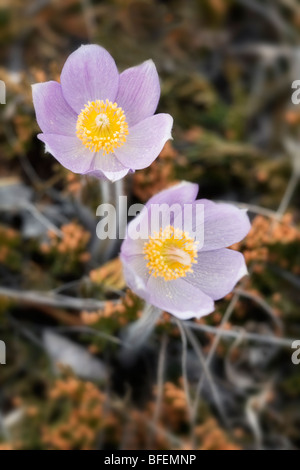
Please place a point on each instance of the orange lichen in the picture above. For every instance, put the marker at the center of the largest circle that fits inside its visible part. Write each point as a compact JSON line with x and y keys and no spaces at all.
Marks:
{"x":10,"y":241}
{"x":173,"y":418}
{"x":75,"y":238}
{"x":109,"y":275}
{"x":6,"y":446}
{"x":73,"y":183}
{"x":69,"y":250}
{"x":84,"y":420}
{"x":74,"y":413}
{"x":265,"y":234}
{"x":212,"y":437}
{"x":116,"y":311}
{"x":292,"y":117}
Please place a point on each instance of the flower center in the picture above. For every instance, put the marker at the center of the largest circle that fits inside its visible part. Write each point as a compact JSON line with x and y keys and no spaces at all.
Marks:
{"x":101,"y":125}
{"x":170,"y":253}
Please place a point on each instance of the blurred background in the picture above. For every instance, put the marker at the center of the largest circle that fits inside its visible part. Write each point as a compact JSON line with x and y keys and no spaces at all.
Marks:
{"x":69,"y":382}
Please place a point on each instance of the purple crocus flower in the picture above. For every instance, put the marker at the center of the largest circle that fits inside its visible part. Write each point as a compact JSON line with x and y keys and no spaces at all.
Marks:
{"x":100,"y":122}
{"x":169,"y":269}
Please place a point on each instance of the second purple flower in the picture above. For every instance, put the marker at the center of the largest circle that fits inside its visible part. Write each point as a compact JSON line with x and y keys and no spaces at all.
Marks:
{"x":99,"y":122}
{"x":169,"y":269}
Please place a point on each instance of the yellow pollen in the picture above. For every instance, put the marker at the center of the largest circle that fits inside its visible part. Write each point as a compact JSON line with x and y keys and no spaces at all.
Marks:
{"x":170,"y":253}
{"x":101,"y":125}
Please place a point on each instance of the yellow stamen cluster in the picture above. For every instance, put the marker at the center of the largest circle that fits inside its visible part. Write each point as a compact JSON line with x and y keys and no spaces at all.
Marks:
{"x":170,"y":253}
{"x":101,"y":125}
